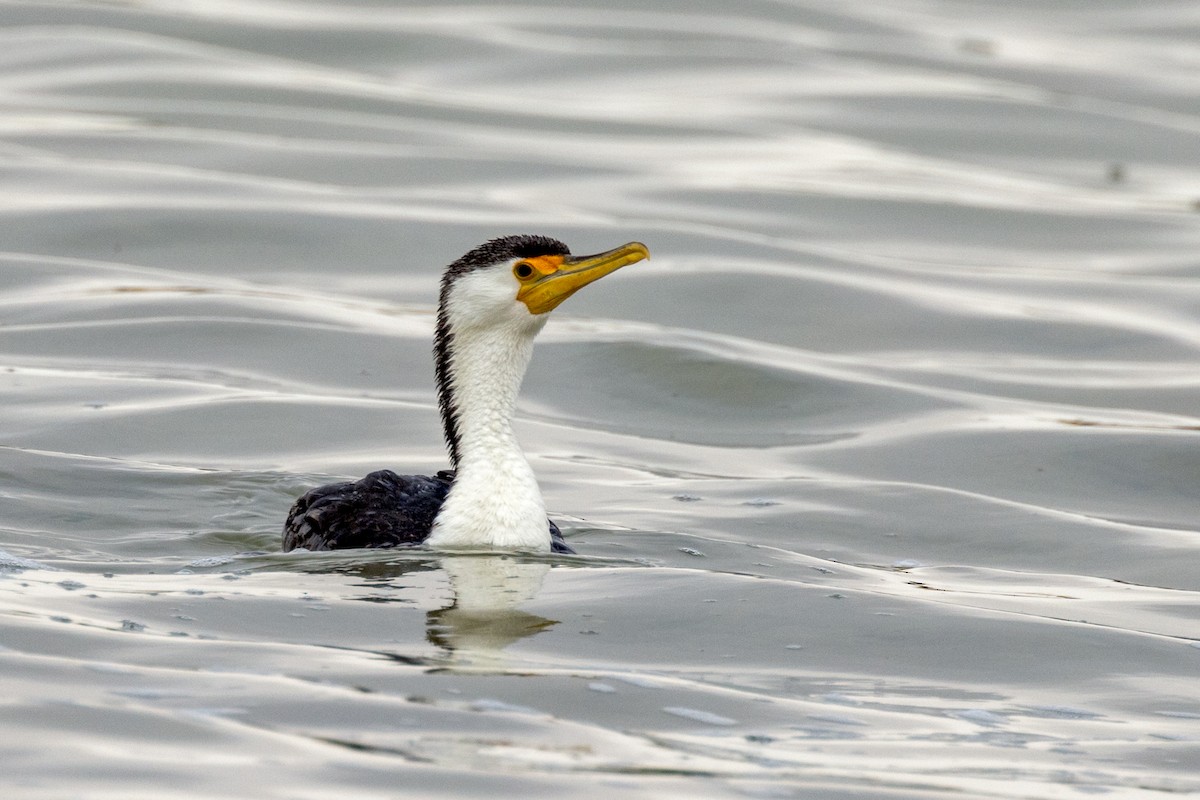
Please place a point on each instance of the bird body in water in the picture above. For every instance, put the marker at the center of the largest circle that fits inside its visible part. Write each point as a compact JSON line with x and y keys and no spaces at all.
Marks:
{"x":493,"y":302}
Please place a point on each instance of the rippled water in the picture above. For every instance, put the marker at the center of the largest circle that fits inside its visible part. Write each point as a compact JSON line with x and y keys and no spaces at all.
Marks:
{"x":882,"y":471}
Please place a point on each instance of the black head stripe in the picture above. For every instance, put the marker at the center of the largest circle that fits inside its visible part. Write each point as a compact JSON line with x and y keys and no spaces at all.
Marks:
{"x":498,"y":250}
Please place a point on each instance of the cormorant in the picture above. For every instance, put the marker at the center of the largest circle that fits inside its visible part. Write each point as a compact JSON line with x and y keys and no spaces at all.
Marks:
{"x":493,"y":302}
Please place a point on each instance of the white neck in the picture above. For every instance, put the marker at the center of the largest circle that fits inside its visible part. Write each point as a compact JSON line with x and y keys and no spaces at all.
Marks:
{"x":494,"y":502}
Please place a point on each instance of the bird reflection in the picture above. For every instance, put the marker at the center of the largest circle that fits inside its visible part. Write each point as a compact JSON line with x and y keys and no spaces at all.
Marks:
{"x":484,"y":617}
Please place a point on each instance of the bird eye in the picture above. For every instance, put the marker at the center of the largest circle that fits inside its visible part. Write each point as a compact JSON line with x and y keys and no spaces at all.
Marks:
{"x":523,"y":271}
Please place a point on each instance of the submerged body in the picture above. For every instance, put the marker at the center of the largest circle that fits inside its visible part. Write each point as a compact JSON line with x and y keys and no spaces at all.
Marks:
{"x":494,"y":300}
{"x":381,"y":510}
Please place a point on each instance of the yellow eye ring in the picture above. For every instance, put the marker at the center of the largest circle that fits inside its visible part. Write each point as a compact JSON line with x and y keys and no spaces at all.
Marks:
{"x":523,"y":271}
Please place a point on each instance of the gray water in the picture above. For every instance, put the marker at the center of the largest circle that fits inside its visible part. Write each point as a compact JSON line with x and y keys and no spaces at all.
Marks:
{"x":882,"y":470}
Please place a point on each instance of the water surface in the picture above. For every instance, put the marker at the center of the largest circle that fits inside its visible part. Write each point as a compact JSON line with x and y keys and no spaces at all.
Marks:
{"x":882,"y":471}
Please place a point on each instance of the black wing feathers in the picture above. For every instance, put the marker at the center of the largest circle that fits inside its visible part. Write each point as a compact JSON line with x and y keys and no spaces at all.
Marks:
{"x":381,"y":510}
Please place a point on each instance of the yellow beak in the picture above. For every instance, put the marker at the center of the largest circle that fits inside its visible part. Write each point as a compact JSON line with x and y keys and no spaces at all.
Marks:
{"x":555,"y":278}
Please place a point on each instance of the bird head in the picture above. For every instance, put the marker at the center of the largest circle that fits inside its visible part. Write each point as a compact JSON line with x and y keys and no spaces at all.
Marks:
{"x":517,"y":280}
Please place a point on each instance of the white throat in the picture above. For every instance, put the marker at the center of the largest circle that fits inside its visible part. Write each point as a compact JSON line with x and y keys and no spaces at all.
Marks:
{"x":494,"y":502}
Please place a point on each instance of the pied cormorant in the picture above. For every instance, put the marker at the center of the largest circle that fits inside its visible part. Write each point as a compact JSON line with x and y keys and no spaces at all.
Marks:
{"x":493,"y":302}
